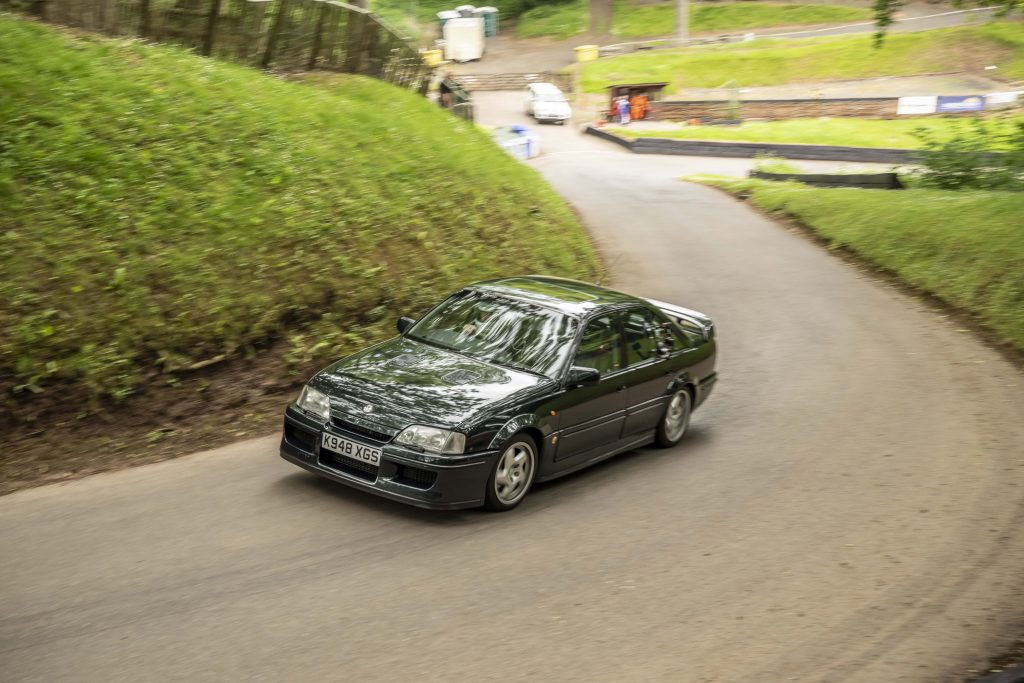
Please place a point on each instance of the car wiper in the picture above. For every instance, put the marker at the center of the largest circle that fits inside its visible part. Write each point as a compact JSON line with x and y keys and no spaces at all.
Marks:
{"x":430,"y":342}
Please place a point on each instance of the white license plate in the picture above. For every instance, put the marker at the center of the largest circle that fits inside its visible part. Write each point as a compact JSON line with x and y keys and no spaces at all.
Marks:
{"x":351,"y":449}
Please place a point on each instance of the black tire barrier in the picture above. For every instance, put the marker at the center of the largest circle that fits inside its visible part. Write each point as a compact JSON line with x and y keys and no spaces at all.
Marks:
{"x":748,"y":150}
{"x":871,"y":181}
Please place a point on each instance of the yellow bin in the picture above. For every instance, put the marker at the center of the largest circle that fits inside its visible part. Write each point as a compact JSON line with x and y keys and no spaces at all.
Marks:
{"x":432,"y":57}
{"x":586,"y":53}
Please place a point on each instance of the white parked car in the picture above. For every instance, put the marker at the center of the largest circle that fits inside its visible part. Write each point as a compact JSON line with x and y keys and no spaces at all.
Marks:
{"x":545,"y":102}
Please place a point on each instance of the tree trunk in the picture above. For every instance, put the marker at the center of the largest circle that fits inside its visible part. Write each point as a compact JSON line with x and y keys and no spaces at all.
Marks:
{"x":210,"y":36}
{"x":601,"y":12}
{"x":682,"y":22}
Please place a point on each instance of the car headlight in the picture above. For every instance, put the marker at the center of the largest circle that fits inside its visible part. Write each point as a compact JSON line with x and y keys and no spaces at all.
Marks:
{"x":316,"y":402}
{"x":433,"y":439}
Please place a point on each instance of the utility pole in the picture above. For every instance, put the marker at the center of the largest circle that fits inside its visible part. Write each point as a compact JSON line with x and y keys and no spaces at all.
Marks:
{"x":682,"y":22}
{"x":601,"y":13}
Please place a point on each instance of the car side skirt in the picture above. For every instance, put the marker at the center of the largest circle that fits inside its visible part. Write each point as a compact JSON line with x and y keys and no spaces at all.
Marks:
{"x":633,"y":442}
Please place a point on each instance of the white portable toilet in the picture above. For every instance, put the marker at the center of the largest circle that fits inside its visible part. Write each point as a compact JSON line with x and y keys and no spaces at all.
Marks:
{"x":463,"y":39}
{"x":465,"y":11}
{"x":445,"y":16}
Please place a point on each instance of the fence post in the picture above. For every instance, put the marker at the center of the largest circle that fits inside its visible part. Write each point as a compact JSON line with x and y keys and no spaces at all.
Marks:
{"x":211,"y":28}
{"x":275,"y":32}
{"x":353,"y":42}
{"x":145,"y":25}
{"x":318,"y":36}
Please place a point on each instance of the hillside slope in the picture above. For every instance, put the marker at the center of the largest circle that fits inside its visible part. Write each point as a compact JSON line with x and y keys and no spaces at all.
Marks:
{"x":160,"y":211}
{"x":773,"y":61}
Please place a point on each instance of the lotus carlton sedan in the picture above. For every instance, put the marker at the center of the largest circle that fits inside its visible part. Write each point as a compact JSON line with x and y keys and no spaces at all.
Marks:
{"x":505,"y":383}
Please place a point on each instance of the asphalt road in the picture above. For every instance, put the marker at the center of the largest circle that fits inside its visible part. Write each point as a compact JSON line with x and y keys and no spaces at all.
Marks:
{"x":847,"y":507}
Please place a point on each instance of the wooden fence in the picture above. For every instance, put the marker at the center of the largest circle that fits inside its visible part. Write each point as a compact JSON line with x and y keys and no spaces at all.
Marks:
{"x":280,"y":34}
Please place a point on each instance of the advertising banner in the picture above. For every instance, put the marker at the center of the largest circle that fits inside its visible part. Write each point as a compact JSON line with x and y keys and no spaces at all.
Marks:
{"x":949,"y":104}
{"x":1001,"y":98}
{"x":916,"y":105}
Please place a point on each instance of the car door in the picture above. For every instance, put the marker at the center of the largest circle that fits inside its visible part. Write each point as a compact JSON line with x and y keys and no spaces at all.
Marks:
{"x":648,"y":369}
{"x":592,"y":416}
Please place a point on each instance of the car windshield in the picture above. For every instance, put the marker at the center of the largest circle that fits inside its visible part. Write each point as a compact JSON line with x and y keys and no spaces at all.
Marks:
{"x":501,"y":331}
{"x":551,"y":97}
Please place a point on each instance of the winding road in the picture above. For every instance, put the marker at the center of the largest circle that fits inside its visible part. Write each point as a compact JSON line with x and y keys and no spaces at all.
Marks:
{"x":848,"y":506}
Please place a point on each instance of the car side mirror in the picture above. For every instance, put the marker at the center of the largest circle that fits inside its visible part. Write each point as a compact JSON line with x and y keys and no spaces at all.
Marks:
{"x":404,"y":323}
{"x":582,"y":377}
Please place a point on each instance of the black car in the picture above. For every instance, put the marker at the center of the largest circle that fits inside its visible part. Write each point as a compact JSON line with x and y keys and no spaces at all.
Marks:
{"x":505,"y":383}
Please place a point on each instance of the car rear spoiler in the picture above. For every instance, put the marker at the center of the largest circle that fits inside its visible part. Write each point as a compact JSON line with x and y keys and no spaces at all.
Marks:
{"x":687,"y":317}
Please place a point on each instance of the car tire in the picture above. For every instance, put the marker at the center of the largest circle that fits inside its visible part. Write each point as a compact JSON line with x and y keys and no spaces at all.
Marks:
{"x":676,"y":420}
{"x":513,"y":474}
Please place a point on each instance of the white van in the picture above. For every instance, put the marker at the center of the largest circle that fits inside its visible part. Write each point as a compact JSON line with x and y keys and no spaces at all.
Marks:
{"x":545,"y":102}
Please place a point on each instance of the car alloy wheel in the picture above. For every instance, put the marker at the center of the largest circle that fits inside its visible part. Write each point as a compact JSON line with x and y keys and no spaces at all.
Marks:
{"x":513,"y":474}
{"x":677,"y":419}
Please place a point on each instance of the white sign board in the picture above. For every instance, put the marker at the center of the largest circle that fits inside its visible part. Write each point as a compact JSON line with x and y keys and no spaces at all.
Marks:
{"x":1001,"y":97}
{"x":917,"y":105}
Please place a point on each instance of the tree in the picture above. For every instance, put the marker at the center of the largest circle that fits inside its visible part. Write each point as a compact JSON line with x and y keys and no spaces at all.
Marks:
{"x":884,"y":11}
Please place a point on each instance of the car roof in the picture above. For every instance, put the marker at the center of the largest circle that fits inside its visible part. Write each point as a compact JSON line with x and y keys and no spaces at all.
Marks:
{"x":541,"y":87}
{"x":568,"y":296}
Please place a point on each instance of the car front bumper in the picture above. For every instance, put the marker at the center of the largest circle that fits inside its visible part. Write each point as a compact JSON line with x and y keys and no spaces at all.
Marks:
{"x":421,"y":479}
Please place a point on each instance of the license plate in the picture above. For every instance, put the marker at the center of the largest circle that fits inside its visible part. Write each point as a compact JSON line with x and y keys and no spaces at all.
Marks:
{"x":351,"y":449}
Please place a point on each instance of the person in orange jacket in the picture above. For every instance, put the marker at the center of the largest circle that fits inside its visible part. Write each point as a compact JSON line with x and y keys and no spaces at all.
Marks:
{"x":638,"y":107}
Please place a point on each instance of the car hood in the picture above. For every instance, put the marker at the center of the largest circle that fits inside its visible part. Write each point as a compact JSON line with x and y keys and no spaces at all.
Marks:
{"x":403,"y":382}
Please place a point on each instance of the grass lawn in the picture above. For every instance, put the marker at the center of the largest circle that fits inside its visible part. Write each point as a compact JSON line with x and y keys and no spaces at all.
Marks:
{"x":771,"y":62}
{"x":898,"y":133}
{"x":966,"y":248}
{"x":159,"y":210}
{"x":633,"y":20}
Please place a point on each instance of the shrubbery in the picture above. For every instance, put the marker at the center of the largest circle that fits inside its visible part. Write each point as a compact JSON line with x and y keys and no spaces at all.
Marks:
{"x":969,"y":159}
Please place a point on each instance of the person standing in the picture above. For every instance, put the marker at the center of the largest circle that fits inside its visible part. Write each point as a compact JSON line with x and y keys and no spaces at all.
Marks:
{"x":444,"y":91}
{"x":638,"y":107}
{"x":623,"y":111}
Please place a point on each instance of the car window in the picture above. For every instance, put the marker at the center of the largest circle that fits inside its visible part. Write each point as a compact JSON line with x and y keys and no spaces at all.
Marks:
{"x":601,"y":346}
{"x":645,"y":335}
{"x":501,"y":331}
{"x":688,"y":334}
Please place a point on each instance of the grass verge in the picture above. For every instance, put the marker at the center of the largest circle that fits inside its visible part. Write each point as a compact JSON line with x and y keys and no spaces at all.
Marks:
{"x":633,"y":20}
{"x":161,"y":212}
{"x":896,"y":133}
{"x":771,"y":62}
{"x":965,"y":248}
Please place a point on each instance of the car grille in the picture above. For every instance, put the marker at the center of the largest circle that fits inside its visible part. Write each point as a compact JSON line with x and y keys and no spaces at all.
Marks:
{"x":355,"y":468}
{"x":365,"y":432}
{"x":415,"y":477}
